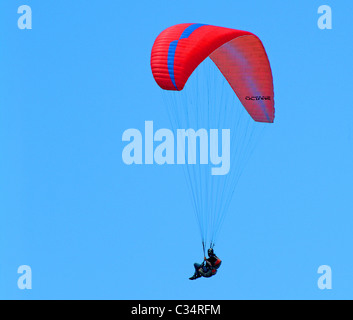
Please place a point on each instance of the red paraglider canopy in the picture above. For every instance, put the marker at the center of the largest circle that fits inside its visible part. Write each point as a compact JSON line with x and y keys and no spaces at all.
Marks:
{"x":239,"y":55}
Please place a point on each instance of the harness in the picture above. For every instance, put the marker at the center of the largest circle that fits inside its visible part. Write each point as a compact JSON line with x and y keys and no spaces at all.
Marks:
{"x":218,"y":263}
{"x":215,"y":266}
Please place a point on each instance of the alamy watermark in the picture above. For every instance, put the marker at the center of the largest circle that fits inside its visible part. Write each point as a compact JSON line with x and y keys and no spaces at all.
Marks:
{"x":160,"y":147}
{"x":325,"y":281}
{"x":24,"y":282}
{"x":25,"y":20}
{"x":325,"y":19}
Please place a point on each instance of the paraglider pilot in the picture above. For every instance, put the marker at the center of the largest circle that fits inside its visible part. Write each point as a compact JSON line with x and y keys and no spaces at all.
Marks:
{"x":208,"y":268}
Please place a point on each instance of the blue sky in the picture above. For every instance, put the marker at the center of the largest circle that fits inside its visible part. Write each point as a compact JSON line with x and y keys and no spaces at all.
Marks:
{"x":91,"y":227}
